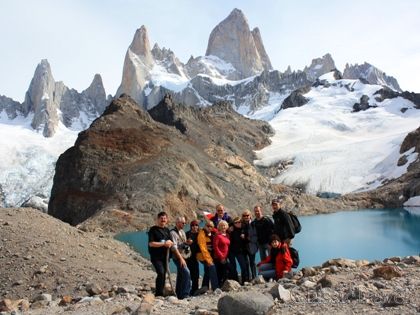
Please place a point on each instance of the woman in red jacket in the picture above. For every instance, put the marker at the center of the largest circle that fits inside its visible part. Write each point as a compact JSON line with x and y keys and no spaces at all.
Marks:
{"x":221,"y":244}
{"x":278,"y":262}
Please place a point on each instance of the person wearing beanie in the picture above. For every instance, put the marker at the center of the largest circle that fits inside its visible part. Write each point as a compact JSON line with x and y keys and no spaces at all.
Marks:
{"x":192,"y":261}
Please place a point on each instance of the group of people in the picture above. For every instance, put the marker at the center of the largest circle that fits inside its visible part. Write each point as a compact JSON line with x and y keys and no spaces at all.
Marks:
{"x":221,"y":244}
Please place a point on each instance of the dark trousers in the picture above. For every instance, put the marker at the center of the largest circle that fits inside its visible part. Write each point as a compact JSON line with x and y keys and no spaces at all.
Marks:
{"x":160,"y":267}
{"x":243,"y":264}
{"x":194,"y":268}
{"x":222,"y":271}
{"x":210,"y":276}
{"x":252,"y":266}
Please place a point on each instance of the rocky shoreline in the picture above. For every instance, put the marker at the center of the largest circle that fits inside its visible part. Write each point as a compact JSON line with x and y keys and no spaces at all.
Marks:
{"x":50,"y":267}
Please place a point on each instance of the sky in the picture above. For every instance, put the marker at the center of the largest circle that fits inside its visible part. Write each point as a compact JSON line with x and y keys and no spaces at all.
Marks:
{"x":83,"y":37}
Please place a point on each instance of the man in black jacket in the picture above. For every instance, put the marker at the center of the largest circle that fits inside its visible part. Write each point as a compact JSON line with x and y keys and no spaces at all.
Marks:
{"x":264,"y":227}
{"x":283,"y":225}
{"x":159,"y":244}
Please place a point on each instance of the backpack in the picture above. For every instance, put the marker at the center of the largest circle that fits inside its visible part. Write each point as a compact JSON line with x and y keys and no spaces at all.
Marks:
{"x":295,"y":257}
{"x":296,"y":224}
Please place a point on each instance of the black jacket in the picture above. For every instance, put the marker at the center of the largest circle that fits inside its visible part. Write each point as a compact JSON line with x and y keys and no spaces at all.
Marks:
{"x":264,"y":228}
{"x":283,"y":225}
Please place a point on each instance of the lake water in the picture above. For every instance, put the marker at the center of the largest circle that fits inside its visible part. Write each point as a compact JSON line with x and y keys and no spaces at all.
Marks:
{"x":363,"y":234}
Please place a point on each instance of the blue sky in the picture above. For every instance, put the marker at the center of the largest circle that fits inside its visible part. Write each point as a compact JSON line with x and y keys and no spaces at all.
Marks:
{"x":83,"y":37}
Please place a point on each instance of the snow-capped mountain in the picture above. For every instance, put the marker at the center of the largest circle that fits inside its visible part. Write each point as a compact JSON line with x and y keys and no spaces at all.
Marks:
{"x":36,"y":132}
{"x":334,"y":135}
{"x":326,"y":146}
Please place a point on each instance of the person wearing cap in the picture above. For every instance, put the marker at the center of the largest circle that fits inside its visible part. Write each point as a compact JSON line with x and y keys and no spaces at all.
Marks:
{"x":192,"y":261}
{"x":283,"y":225}
{"x":279,"y":262}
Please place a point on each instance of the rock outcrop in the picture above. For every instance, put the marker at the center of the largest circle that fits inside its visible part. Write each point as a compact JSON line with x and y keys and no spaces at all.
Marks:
{"x":371,"y":74}
{"x":232,"y":41}
{"x":319,"y":66}
{"x":387,"y":93}
{"x":296,"y":98}
{"x":129,"y":165}
{"x":11,"y":107}
{"x":393,"y":193}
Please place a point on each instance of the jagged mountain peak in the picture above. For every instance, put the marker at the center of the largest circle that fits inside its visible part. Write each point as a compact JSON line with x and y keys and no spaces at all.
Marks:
{"x":371,"y":74}
{"x":232,"y":41}
{"x":237,"y":14}
{"x":140,"y":44}
{"x":320,"y":66}
{"x":97,"y":81}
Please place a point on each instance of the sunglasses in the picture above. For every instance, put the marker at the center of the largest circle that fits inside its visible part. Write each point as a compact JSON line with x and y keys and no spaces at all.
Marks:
{"x":245,"y":215}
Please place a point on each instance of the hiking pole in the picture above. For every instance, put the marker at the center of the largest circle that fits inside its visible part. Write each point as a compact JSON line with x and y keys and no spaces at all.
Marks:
{"x":169,"y":271}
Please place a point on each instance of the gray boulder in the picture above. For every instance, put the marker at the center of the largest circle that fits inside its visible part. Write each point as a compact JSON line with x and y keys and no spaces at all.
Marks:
{"x":296,"y":98}
{"x":250,"y":303}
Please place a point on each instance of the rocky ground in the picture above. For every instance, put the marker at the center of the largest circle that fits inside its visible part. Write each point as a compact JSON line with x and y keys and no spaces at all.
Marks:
{"x":49,"y":267}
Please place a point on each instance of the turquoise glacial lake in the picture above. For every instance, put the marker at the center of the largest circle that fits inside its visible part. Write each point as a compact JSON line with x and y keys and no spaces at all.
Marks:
{"x":363,"y":234}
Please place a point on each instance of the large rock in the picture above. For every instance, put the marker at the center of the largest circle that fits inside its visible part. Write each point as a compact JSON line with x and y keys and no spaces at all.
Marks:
{"x":296,"y":98}
{"x":232,"y":41}
{"x":250,"y":303}
{"x":129,"y":166}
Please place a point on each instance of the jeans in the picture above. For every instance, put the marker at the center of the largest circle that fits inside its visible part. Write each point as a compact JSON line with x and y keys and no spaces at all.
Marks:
{"x":210,"y":274}
{"x":268,"y":271}
{"x":160,"y":267}
{"x":264,"y":250}
{"x":183,"y":280}
{"x":194,"y":268}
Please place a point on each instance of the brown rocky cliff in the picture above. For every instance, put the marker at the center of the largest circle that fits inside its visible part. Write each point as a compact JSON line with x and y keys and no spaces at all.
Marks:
{"x":127,"y":167}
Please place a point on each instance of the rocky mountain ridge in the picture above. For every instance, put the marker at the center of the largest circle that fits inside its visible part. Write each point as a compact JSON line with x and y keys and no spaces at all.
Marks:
{"x":50,"y":102}
{"x":235,"y":56}
{"x":177,"y":158}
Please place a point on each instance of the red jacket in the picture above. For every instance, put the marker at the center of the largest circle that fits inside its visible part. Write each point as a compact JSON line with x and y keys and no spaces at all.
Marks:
{"x":284,"y":261}
{"x":220,"y":247}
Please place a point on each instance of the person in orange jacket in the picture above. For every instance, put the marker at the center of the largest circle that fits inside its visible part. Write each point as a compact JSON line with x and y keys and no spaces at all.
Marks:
{"x":205,"y":253}
{"x":278,"y":262}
